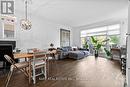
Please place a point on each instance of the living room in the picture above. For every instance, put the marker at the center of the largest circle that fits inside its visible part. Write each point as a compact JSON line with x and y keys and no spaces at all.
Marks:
{"x":48,"y":18}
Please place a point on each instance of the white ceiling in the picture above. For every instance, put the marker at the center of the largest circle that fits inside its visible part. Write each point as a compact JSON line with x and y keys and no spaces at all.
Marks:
{"x":77,"y":12}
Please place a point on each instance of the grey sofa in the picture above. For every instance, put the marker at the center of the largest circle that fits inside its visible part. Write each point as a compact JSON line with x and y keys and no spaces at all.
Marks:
{"x":67,"y":52}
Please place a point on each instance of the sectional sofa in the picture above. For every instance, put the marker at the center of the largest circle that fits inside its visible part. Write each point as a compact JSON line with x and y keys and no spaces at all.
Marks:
{"x":68,"y":52}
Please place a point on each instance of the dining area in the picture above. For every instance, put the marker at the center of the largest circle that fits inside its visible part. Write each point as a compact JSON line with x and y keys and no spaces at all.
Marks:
{"x":34,"y":64}
{"x":52,"y":73}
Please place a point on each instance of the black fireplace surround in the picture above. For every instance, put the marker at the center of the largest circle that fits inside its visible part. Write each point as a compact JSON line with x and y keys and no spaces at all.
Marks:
{"x":6,"y":47}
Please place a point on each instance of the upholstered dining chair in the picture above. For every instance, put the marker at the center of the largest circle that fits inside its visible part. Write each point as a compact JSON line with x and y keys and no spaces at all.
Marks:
{"x":21,"y":66}
{"x":39,"y":63}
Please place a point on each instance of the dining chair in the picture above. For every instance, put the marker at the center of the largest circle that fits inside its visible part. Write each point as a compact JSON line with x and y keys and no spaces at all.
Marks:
{"x":32,"y":50}
{"x":52,"y":62}
{"x":21,"y":66}
{"x":39,"y":63}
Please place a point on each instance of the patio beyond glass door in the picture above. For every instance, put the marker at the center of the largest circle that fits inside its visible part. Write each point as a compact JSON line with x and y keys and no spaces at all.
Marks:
{"x":109,"y":32}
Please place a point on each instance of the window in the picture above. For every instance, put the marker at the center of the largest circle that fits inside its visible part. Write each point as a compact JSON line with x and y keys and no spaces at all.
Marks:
{"x":111,"y":32}
{"x":64,"y":37}
{"x":83,"y":41}
{"x":106,"y":30}
{"x":114,"y":40}
{"x":8,"y":31}
{"x":7,"y":27}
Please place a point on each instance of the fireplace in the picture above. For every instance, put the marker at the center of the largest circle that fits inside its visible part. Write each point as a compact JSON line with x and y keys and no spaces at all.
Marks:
{"x":6,"y":47}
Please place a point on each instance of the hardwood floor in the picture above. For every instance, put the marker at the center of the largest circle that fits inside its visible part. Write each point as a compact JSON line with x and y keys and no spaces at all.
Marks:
{"x":87,"y":72}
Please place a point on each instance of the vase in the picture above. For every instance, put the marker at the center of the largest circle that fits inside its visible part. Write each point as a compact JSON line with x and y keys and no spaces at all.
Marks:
{"x":96,"y":53}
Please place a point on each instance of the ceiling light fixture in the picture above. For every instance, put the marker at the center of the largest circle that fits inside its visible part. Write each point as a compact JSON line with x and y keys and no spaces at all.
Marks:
{"x":25,"y":23}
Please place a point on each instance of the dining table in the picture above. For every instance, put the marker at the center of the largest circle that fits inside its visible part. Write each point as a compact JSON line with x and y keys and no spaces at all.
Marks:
{"x":28,"y":57}
{"x":25,"y":56}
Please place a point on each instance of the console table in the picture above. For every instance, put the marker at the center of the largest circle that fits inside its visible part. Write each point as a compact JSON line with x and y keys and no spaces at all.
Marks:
{"x":116,"y":51}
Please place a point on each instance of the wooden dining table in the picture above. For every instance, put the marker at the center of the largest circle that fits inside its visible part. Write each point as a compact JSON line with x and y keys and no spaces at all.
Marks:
{"x":29,"y":56}
{"x":22,"y":55}
{"x":25,"y":56}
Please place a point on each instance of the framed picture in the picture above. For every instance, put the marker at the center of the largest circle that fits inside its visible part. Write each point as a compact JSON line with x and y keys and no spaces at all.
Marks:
{"x":64,"y":37}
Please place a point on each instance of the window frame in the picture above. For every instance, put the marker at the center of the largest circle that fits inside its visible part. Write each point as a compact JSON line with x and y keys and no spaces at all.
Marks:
{"x":106,"y":32}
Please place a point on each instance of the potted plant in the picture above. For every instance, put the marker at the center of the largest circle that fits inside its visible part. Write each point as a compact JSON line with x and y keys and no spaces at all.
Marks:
{"x":85,"y":45}
{"x":97,"y":46}
{"x":51,"y":45}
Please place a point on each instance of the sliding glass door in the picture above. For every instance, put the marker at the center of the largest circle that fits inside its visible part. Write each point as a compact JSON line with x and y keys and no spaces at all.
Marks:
{"x":111,"y":32}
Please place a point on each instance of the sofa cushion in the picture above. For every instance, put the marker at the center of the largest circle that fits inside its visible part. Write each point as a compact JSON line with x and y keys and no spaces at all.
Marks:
{"x":68,"y":48}
{"x":64,"y":49}
{"x":76,"y":54}
{"x":86,"y":53}
{"x":83,"y":49}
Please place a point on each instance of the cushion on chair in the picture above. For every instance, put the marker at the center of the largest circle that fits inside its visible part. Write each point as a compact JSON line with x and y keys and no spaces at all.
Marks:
{"x":21,"y":65}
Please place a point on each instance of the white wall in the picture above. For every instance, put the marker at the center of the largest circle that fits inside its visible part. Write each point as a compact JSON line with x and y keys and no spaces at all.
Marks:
{"x":124,"y":28}
{"x":76,"y":37}
{"x":43,"y":33}
{"x":77,"y":30}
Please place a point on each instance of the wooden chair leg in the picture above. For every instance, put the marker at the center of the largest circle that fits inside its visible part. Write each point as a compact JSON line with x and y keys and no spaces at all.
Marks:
{"x":45,"y":72}
{"x":29,"y":71}
{"x":47,"y":67}
{"x":34,"y":76}
{"x":8,"y":78}
{"x":42,"y":72}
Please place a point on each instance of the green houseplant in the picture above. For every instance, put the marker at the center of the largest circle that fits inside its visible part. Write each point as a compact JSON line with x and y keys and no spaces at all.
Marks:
{"x":86,"y":45}
{"x":97,"y":46}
